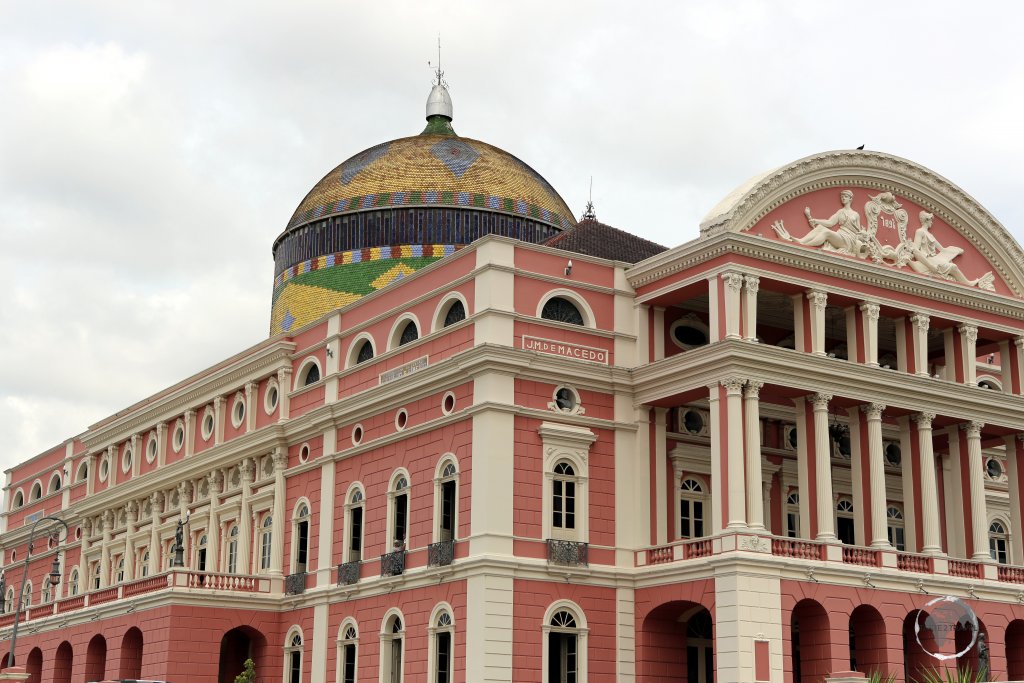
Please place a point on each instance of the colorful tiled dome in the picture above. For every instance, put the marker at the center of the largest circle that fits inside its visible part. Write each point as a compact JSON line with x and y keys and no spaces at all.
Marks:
{"x":398,"y":206}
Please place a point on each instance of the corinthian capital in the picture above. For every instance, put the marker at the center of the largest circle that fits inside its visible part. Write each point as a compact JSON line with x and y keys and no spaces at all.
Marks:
{"x":820,"y":401}
{"x":752,"y":282}
{"x":973,"y":429}
{"x":969,"y":332}
{"x":924,"y":420}
{"x":753,"y":389}
{"x":733,"y":385}
{"x":870,"y":310}
{"x":920,"y":321}
{"x":873,"y":410}
{"x":818,"y":299}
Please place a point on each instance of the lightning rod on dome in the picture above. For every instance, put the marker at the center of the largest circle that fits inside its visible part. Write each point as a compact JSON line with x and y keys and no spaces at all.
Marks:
{"x":588,"y":212}
{"x":438,"y":73}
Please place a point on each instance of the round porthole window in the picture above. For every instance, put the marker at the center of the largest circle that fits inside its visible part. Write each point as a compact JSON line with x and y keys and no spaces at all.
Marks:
{"x":270,"y":397}
{"x":689,"y":332}
{"x":238,"y":412}
{"x":126,"y":459}
{"x":151,"y":447}
{"x":448,"y":403}
{"x":104,"y":469}
{"x":357,"y":435}
{"x":565,"y":399}
{"x":693,"y":422}
{"x":401,"y":419}
{"x":893,"y":455}
{"x":207,"y":425}
{"x":304,"y":452}
{"x":994,"y":468}
{"x":178,"y":440}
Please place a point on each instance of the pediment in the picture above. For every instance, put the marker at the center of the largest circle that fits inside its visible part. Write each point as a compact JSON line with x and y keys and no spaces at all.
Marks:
{"x":879,"y":209}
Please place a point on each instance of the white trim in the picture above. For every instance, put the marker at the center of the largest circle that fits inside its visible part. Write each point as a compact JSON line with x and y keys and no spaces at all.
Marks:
{"x":386,"y":636}
{"x":362,"y":434}
{"x":389,"y":538}
{"x":690,"y":320}
{"x":209,"y":415}
{"x":570,"y":444}
{"x":300,"y":377}
{"x":439,"y":480}
{"x":441,"y":312}
{"x":444,"y":399}
{"x":581,"y":631}
{"x":399,"y":327}
{"x":576,"y":299}
{"x":346,"y":623}
{"x":58,"y":475}
{"x":433,"y":629}
{"x":152,"y":446}
{"x":294,"y":630}
{"x":269,"y":406}
{"x":176,"y":444}
{"x":32,"y":498}
{"x":353,"y":350}
{"x":295,"y":521}
{"x":347,"y":532}
{"x":236,"y":419}
{"x":127,"y":458}
{"x":14,"y":499}
{"x":398,"y":419}
{"x":577,"y":407}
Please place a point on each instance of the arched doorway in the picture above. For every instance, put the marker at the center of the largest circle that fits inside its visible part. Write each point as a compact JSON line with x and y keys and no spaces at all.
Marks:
{"x":34,"y":666}
{"x":236,"y":646}
{"x":867,"y":641}
{"x":917,"y":633}
{"x":1015,"y":650}
{"x":62,"y":663}
{"x":96,"y":659}
{"x":3,"y":662}
{"x":810,"y":640}
{"x":131,"y":654}
{"x":677,"y":644}
{"x":977,"y":657}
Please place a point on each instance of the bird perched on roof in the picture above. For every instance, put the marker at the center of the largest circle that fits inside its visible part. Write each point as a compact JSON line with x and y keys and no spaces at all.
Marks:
{"x":861,"y":147}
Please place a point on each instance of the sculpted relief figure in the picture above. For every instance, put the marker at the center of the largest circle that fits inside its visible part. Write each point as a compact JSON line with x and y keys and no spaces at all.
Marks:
{"x":843,"y":233}
{"x":931,"y":258}
{"x":847,"y":238}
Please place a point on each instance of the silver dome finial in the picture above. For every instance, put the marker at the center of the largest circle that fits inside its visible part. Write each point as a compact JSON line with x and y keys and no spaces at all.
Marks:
{"x":439,"y":103}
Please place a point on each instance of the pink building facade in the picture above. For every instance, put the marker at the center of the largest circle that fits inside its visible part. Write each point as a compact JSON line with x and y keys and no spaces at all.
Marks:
{"x":757,"y":456}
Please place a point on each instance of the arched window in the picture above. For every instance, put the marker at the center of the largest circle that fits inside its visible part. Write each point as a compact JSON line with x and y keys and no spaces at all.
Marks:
{"x":46,"y":590}
{"x":347,"y":653}
{"x":399,"y":511}
{"x":456,"y":313}
{"x":83,"y":471}
{"x":365,"y":352}
{"x":392,"y":648}
{"x":441,"y":656}
{"x":895,"y":527}
{"x":233,"y":549}
{"x":565,"y":650}
{"x":36,"y":493}
{"x":793,"y":515}
{"x":18,"y":501}
{"x":998,"y":542}
{"x":9,"y":601}
{"x":562,"y":310}
{"x":354,"y":527}
{"x":73,"y":583}
{"x":266,"y":536}
{"x":300,"y":539}
{"x":145,"y":564}
{"x":293,"y":658}
{"x":312,"y":375}
{"x":563,"y":497}
{"x":201,"y":554}
{"x":26,"y":597}
{"x":120,"y":570}
{"x":691,"y":508}
{"x":446,"y":497}
{"x":54,"y":483}
{"x":410,"y":333}
{"x":844,"y":522}
{"x":97,"y":576}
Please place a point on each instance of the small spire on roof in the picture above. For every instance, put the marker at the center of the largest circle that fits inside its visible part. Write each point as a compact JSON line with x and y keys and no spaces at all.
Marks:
{"x":588,"y":212}
{"x":439,"y":103}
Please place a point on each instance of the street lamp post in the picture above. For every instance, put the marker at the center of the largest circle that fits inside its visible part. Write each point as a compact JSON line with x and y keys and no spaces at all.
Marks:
{"x":53,"y":532}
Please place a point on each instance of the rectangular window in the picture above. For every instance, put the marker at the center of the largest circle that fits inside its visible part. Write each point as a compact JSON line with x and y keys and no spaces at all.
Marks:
{"x":444,"y":657}
{"x":401,"y":512}
{"x":356,"y":543}
{"x":556,"y":508}
{"x":447,"y":510}
{"x":303,"y":550}
{"x":349,"y":672}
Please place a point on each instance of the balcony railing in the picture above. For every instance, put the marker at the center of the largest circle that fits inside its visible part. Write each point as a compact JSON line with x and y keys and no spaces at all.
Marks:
{"x":348,"y":573}
{"x":797,"y":548}
{"x":567,"y":553}
{"x":965,"y":569}
{"x":864,"y":557}
{"x":908,"y":562}
{"x":698,"y":548}
{"x":392,"y":564}
{"x":440,"y":554}
{"x":1010,"y":574}
{"x":295,"y":584}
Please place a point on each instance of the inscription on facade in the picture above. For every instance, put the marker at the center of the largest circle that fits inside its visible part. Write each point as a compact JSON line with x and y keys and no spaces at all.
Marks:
{"x":403,"y":371}
{"x":565,"y":349}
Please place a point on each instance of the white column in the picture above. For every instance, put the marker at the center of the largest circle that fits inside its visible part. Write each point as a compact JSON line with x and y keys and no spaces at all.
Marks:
{"x":931,"y":544}
{"x":132,"y":514}
{"x":661,"y":487}
{"x":137,"y":454}
{"x":277,"y":537}
{"x":213,"y":528}
{"x":752,"y":429}
{"x":244,"y":564}
{"x":751,"y":283}
{"x":818,"y":302}
{"x":161,"y":447}
{"x":251,"y":397}
{"x":734,"y":456}
{"x":1013,"y":475}
{"x":717,"y":474}
{"x":869,"y":317}
{"x":823,"y":468}
{"x":190,"y":423}
{"x":284,"y":381}
{"x":969,"y":351}
{"x":155,"y":506}
{"x":733,"y":285}
{"x":107,"y":520}
{"x":218,"y":420}
{"x":920,"y":322}
{"x":876,"y":475}
{"x":979,"y":518}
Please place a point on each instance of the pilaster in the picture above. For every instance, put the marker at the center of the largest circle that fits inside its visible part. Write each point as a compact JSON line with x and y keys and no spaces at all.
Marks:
{"x":919,"y":323}
{"x":752,"y":433}
{"x":876,"y":475}
{"x":733,"y":285}
{"x":751,"y":284}
{"x":869,"y":315}
{"x":817,"y":301}
{"x":823,"y":468}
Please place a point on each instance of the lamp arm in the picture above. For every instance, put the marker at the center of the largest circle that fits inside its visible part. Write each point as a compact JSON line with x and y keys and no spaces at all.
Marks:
{"x":24,"y":577}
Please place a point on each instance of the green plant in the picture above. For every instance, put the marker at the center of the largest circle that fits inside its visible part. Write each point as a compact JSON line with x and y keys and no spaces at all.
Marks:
{"x":248,"y":675}
{"x":958,"y":675}
{"x":879,"y":677}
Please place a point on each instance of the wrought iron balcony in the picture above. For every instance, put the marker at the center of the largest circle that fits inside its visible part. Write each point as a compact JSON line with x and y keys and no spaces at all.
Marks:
{"x":441,"y":554}
{"x":392,"y":564}
{"x":348,"y":573}
{"x":295,"y":584}
{"x":568,"y":553}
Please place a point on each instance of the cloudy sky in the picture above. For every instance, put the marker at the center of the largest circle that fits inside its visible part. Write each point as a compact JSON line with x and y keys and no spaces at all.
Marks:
{"x":151,"y":151}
